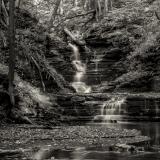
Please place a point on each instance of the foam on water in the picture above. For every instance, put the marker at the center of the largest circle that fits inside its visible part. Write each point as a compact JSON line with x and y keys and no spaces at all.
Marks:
{"x":79,"y":78}
{"x":111,"y":109}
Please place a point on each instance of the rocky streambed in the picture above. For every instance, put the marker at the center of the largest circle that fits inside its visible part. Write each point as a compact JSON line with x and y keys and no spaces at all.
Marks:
{"x":26,"y":142}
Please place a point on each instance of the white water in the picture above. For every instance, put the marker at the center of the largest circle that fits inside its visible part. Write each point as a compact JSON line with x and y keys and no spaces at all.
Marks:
{"x":97,"y":59}
{"x":111,"y":109}
{"x":79,"y":78}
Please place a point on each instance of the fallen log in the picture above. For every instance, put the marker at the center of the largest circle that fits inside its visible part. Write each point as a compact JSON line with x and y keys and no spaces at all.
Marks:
{"x":10,"y":152}
{"x":73,"y":38}
{"x":80,"y":15}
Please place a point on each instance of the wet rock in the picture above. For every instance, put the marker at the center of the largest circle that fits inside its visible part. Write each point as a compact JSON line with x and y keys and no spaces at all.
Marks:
{"x":78,"y":99}
{"x":44,"y":153}
{"x":125,"y":148}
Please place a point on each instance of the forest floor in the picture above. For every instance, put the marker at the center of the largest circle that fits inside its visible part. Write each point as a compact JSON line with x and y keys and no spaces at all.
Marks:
{"x":24,"y":141}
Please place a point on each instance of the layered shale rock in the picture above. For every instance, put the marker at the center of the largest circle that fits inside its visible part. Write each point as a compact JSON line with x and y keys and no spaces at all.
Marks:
{"x":112,"y":107}
{"x":124,"y":57}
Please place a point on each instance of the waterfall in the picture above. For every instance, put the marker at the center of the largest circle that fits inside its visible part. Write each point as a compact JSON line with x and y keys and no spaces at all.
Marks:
{"x":111,"y":110}
{"x":96,"y":60}
{"x":79,"y":78}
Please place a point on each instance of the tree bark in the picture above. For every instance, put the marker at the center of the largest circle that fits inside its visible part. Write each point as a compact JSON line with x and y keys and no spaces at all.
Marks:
{"x":5,"y":13}
{"x":18,"y":3}
{"x":94,"y":5}
{"x":157,"y":15}
{"x":108,"y":6}
{"x":53,"y":15}
{"x":12,"y":55}
{"x":0,"y":10}
{"x":4,"y":40}
{"x":76,"y":41}
{"x":75,"y":3}
{"x":52,"y":18}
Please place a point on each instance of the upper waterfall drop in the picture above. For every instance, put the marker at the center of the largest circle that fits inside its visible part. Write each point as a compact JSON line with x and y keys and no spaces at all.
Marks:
{"x":79,"y":78}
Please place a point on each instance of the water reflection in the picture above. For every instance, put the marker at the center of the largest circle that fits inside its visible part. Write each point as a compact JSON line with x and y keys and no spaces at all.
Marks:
{"x":101,"y":155}
{"x":148,"y":129}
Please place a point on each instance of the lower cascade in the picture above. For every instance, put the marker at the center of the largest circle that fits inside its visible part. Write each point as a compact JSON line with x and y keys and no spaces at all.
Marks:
{"x":79,"y":78}
{"x":111,"y":110}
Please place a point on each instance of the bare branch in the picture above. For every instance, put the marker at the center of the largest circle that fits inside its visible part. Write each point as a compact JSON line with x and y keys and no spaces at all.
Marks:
{"x":80,"y":15}
{"x":157,"y":16}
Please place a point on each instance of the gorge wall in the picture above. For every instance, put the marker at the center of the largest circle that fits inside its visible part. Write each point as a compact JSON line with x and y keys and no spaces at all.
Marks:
{"x":126,"y":45}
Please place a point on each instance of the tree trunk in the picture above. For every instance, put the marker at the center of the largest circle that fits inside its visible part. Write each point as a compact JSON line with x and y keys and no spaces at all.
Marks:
{"x":18,"y":3}
{"x":75,"y":3}
{"x":5,"y":13}
{"x":83,"y":3}
{"x":52,"y":18}
{"x":107,"y":6}
{"x":53,"y":15}
{"x":0,"y":10}
{"x":61,"y":11}
{"x":94,"y":5}
{"x":98,"y":9}
{"x":12,"y":55}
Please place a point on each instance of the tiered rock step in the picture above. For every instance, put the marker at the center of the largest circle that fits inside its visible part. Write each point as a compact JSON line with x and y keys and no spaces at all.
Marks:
{"x":84,"y":108}
{"x":101,"y":67}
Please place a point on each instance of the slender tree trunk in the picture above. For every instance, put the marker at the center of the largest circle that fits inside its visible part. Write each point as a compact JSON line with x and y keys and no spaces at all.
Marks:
{"x":75,"y":3}
{"x":18,"y":3}
{"x":83,"y":3}
{"x":87,"y":5}
{"x":98,"y":9}
{"x":0,"y":10}
{"x":61,"y":11}
{"x":5,"y":13}
{"x":108,"y":6}
{"x":52,"y":18}
{"x":95,"y":5}
{"x":53,"y":15}
{"x":12,"y":55}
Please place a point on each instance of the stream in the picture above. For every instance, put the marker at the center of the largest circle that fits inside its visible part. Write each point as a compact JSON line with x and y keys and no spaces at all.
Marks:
{"x":108,"y":110}
{"x":151,"y":152}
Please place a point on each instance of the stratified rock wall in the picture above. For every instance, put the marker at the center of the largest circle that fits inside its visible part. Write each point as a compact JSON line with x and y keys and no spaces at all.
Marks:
{"x":84,"y":108}
{"x":126,"y":45}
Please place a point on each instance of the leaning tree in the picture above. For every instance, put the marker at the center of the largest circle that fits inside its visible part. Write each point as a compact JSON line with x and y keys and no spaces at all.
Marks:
{"x":12,"y":55}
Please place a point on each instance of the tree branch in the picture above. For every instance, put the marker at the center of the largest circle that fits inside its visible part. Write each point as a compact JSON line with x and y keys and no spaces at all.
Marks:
{"x":39,"y":70}
{"x":80,"y":15}
{"x":157,"y":16}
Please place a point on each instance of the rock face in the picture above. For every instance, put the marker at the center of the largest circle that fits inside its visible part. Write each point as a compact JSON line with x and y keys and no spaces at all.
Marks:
{"x":142,"y":108}
{"x":84,"y":108}
{"x":107,"y":61}
{"x":60,"y":57}
{"x":123,"y":56}
{"x":80,"y":107}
